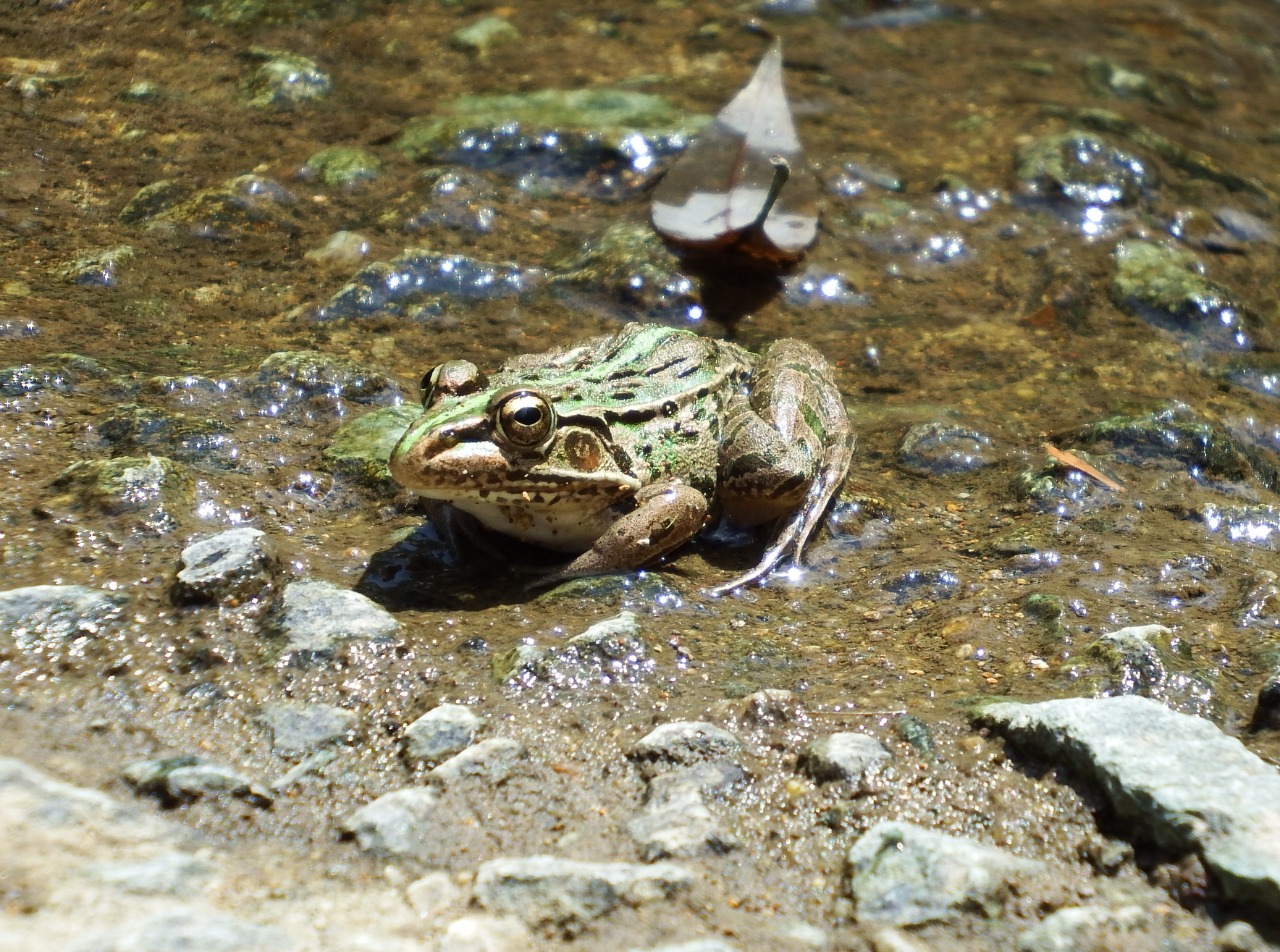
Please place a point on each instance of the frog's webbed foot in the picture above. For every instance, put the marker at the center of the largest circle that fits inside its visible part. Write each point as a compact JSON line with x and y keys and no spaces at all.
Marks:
{"x":667,"y":515}
{"x":791,"y":536}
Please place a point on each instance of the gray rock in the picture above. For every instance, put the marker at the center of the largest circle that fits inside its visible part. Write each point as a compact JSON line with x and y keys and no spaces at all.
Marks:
{"x":610,"y":650}
{"x":848,"y":756}
{"x":34,"y":802}
{"x":434,"y":893}
{"x":184,"y":929}
{"x":299,"y":728}
{"x":682,"y":743}
{"x":1187,"y":785}
{"x":486,"y":934}
{"x":441,"y":732}
{"x":1085,"y":927}
{"x":713,"y":778}
{"x":546,"y":891}
{"x":679,"y":825}
{"x":42,"y":613}
{"x":170,"y":873}
{"x":493,"y":761}
{"x":697,"y":945}
{"x":236,"y":564}
{"x":612,"y":641}
{"x":396,"y":824}
{"x":183,"y":779}
{"x":1239,"y":936}
{"x":318,"y":617}
{"x":903,"y":874}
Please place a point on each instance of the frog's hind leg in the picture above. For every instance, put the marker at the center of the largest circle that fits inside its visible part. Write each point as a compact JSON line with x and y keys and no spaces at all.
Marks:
{"x":785,"y":452}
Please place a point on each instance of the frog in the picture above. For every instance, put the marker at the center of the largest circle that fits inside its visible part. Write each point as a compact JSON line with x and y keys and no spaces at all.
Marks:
{"x":621,"y":448}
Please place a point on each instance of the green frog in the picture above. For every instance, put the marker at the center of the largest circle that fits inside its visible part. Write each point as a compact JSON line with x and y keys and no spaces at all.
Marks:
{"x":620,"y":448}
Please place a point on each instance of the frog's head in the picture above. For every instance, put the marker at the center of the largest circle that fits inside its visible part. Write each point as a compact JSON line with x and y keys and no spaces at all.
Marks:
{"x":504,"y":446}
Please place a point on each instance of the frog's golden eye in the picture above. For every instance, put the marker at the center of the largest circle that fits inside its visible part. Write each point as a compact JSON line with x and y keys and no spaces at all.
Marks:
{"x":453,"y":378}
{"x":525,"y":419}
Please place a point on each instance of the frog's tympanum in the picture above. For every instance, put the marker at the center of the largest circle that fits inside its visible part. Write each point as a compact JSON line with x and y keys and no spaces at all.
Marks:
{"x":620,"y":447}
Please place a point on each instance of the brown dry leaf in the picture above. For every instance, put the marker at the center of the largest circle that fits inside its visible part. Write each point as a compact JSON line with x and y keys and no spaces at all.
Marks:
{"x":1075,"y":462}
{"x":742,"y":184}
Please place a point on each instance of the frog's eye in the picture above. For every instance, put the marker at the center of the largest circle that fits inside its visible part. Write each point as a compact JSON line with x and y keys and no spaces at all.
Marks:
{"x":525,"y":419}
{"x":453,"y":378}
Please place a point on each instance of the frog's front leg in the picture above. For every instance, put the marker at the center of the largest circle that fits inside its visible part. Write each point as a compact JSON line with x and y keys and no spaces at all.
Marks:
{"x":666,"y":516}
{"x":786,"y":450}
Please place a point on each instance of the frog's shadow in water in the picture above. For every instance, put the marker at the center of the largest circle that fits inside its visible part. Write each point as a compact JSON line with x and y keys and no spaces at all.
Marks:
{"x":428,"y":568}
{"x":431,"y":568}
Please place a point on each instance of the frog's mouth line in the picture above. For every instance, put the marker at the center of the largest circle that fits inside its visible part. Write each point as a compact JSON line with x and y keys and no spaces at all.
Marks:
{"x":481,"y":472}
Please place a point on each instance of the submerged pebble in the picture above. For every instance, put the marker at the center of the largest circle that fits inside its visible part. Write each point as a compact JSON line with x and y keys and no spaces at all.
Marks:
{"x":1167,"y":286}
{"x":344,"y":249}
{"x":417,"y":284}
{"x":342,"y":166}
{"x":1083,"y":168}
{"x":935,"y":449}
{"x":97,"y":268}
{"x":632,"y":264}
{"x":447,"y":198}
{"x":284,"y":81}
{"x":601,"y":143}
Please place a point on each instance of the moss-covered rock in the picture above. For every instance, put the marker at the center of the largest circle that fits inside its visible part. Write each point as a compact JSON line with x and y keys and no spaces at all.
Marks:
{"x":343,"y":166}
{"x":1166,"y":286}
{"x":360,"y":449}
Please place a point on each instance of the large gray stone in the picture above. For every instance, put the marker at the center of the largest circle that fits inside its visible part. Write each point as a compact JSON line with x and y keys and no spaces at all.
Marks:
{"x":847,"y":755}
{"x":441,"y":732}
{"x":317,"y":617}
{"x":230,"y":566}
{"x":298,"y":728}
{"x":1187,"y":785}
{"x":184,"y":929}
{"x":55,"y":612}
{"x":681,"y":743}
{"x":566,"y":894}
{"x":904,"y":874}
{"x":492,"y":762}
{"x":396,"y":824}
{"x":1086,"y":927}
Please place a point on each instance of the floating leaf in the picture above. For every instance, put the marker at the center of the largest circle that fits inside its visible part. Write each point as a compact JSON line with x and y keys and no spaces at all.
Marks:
{"x":742,"y":184}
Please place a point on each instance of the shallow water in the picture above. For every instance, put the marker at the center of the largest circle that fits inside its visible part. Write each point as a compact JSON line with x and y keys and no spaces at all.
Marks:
{"x":976,"y":301}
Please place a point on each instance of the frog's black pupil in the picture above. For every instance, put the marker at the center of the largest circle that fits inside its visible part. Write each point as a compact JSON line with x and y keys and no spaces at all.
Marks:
{"x":527,"y":416}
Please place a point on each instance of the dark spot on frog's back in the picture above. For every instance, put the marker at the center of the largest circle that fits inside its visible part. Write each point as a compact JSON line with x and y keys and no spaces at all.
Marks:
{"x":583,"y":452}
